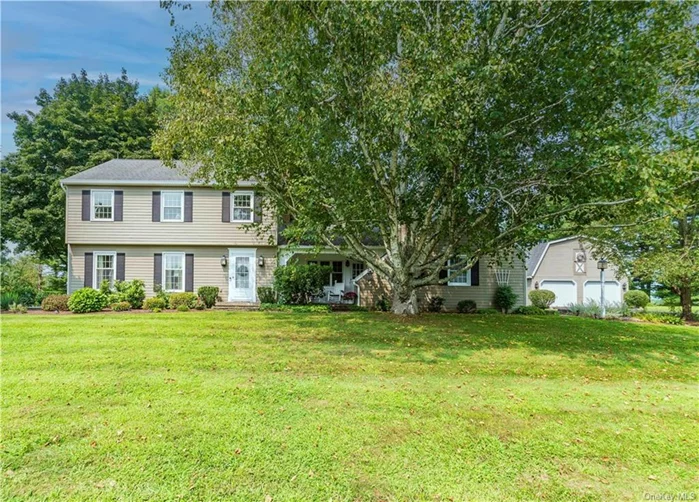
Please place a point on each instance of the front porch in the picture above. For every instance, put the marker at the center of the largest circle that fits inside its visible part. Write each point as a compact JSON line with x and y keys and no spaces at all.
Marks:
{"x":340,"y":288}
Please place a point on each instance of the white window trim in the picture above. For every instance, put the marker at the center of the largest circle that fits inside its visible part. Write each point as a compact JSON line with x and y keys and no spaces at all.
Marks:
{"x":462,"y":284}
{"x":184,"y":272}
{"x":252,"y":205}
{"x":92,"y":206}
{"x":94,"y":265}
{"x":162,"y":206}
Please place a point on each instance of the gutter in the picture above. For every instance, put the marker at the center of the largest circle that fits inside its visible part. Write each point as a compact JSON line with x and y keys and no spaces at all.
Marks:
{"x":178,"y":183}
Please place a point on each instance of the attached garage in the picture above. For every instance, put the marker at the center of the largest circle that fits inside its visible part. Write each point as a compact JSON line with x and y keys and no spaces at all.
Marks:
{"x":612,"y":291}
{"x":566,"y":292}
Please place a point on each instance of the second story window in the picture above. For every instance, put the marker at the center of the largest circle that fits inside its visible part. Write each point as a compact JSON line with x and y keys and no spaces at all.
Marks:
{"x":103,"y":205}
{"x":242,"y":206}
{"x":172,"y":206}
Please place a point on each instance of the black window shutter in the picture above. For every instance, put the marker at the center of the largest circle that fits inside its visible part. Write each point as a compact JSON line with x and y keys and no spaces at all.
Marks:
{"x":118,"y":205}
{"x":88,"y":270}
{"x":189,"y":272}
{"x":121,"y":267}
{"x":258,"y":208}
{"x":156,"y":206}
{"x":188,"y":206}
{"x":226,"y":207}
{"x":157,"y":270}
{"x":444,"y":272}
{"x":86,"y":205}
{"x":475,"y":274}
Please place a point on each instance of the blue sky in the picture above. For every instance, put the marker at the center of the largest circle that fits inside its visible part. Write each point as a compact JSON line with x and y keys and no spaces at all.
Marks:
{"x":44,"y":41}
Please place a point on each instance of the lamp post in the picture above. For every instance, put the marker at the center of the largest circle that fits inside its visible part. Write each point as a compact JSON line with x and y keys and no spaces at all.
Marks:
{"x":602,"y":265}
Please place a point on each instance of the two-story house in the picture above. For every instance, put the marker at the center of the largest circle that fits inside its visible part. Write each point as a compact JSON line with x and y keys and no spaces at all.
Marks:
{"x":139,"y":219}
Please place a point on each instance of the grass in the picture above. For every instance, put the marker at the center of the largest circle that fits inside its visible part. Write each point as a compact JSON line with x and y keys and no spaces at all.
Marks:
{"x":664,"y":309}
{"x":269,"y":406}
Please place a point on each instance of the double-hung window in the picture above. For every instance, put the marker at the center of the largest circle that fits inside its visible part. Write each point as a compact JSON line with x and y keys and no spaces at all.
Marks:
{"x":357,"y":268}
{"x":173,"y":271}
{"x":242,"y":206}
{"x":172,"y":206}
{"x":102,"y":205}
{"x":105,"y":268}
{"x":464,"y":278}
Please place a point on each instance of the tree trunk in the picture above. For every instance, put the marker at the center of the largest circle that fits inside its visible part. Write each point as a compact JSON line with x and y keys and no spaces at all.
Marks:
{"x":686,"y":301}
{"x":404,"y":300}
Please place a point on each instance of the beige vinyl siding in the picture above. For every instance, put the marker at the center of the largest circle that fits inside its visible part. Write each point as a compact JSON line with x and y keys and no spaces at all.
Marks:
{"x":137,"y":226}
{"x":372,"y":287}
{"x":558,"y":265}
{"x":484,"y":292}
{"x":139,"y":264}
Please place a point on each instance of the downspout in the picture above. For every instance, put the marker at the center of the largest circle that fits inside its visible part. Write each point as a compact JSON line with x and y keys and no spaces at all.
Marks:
{"x":69,"y":250}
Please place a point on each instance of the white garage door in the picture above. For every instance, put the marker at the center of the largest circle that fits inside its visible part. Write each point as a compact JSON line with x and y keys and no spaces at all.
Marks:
{"x":612,"y":291}
{"x":566,"y":292}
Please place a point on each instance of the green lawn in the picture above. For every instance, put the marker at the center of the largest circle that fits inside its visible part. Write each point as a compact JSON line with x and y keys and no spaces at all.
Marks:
{"x":253,"y":406}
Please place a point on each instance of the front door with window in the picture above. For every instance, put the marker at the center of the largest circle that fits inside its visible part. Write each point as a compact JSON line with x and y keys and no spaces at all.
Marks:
{"x":241,"y":275}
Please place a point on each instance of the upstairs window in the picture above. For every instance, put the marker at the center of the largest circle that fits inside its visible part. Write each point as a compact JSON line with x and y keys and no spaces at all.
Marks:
{"x":103,"y":205}
{"x":463,"y":279}
{"x":105,"y":265}
{"x":173,"y":271}
{"x":172,"y":206}
{"x":242,"y":207}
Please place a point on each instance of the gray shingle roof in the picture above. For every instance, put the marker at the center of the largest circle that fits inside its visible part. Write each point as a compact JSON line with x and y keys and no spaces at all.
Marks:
{"x":534,"y":256}
{"x":138,"y":172}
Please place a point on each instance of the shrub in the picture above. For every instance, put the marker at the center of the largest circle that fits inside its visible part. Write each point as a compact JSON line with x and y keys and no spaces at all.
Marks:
{"x":154,"y":303}
{"x":161,"y":293}
{"x":18,"y":308}
{"x":156,"y":310}
{"x":208,"y":295}
{"x":383,"y":304}
{"x":593,"y":309}
{"x":529,"y":310}
{"x":298,"y":284}
{"x":105,"y":288}
{"x":55,"y":303}
{"x":504,"y":299}
{"x":120,"y":306}
{"x":435,"y":304}
{"x":199,"y":304}
{"x":542,"y":298}
{"x":7,"y":298}
{"x":588,"y":309}
{"x":310,"y":308}
{"x":182,"y":308}
{"x":266,"y":294}
{"x":466,"y":307}
{"x":663,"y":318}
{"x":87,"y":300}
{"x":187,"y":299}
{"x":133,"y":292}
{"x":636,"y":299}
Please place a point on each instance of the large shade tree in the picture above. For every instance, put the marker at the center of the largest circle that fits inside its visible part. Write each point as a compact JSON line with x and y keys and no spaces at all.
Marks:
{"x":441,"y":130}
{"x":81,"y":123}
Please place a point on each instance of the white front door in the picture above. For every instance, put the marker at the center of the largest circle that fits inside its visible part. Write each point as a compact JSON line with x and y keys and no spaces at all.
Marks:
{"x":241,"y":275}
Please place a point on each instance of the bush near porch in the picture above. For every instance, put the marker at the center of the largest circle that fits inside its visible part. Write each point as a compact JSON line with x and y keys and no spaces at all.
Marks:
{"x":358,"y":406}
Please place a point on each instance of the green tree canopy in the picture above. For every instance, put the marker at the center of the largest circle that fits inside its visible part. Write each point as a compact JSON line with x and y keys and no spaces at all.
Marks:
{"x":442,"y":130}
{"x":82,"y":123}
